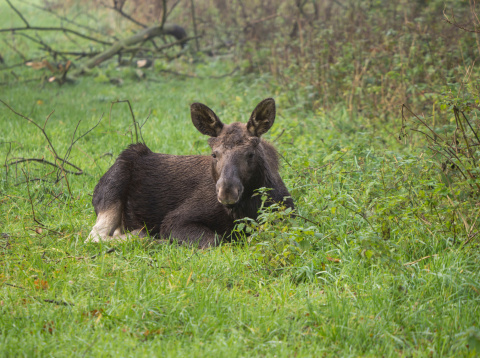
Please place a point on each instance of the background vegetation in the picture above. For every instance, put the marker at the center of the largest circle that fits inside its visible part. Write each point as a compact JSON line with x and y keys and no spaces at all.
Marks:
{"x":378,"y":129}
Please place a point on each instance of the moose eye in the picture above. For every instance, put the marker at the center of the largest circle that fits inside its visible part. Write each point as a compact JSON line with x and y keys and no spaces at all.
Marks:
{"x":251,"y":155}
{"x":214,"y":156}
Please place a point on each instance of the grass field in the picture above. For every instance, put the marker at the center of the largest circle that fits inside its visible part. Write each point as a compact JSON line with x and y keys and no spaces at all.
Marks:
{"x":383,"y":265}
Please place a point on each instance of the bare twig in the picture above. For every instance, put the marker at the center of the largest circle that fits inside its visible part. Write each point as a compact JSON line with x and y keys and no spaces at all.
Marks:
{"x":453,"y":22}
{"x":164,"y":12}
{"x":63,"y":18}
{"x":46,"y":47}
{"x":194,"y":22}
{"x":6,"y":160}
{"x":125,"y":15}
{"x":43,"y":161}
{"x":59,"y":29}
{"x":52,"y":148}
{"x":470,"y":238}
{"x":18,"y":13}
{"x":72,"y":143}
{"x":135,"y":123}
{"x":30,"y":199}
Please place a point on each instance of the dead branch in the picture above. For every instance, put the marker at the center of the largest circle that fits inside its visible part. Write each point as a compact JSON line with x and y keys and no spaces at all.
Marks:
{"x":14,"y":161}
{"x":58,"y":29}
{"x":73,"y":141}
{"x":30,"y":199}
{"x":144,"y":35}
{"x":135,"y":123}
{"x":63,"y":18}
{"x":18,"y":13}
{"x":119,"y":10}
{"x":61,"y":161}
{"x":453,"y":22}
{"x":194,"y":22}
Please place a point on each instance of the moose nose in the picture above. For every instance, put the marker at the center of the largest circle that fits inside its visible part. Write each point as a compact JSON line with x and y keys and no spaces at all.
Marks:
{"x":228,"y":197}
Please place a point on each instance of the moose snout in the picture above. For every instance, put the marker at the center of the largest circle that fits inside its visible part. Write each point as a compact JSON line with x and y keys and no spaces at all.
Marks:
{"x":229,"y":193}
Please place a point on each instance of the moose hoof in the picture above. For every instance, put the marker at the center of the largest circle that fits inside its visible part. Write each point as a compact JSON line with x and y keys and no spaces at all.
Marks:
{"x":94,"y":236}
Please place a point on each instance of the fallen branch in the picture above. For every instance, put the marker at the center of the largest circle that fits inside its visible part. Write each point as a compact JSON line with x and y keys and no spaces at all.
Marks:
{"x":144,"y":35}
{"x":423,"y":258}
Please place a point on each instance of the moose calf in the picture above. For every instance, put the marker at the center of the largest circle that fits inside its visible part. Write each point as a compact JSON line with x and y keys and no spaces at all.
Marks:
{"x":194,"y":198}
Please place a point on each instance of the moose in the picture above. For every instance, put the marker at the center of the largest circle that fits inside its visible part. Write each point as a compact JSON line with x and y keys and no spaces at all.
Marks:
{"x":194,"y":199}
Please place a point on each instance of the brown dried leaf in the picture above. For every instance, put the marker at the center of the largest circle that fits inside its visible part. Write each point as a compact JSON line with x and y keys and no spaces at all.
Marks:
{"x":93,"y":313}
{"x":41,"y":284}
{"x":49,"y":327}
{"x":36,"y":65}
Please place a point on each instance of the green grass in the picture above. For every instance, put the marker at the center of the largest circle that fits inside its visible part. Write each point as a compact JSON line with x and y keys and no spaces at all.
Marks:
{"x":344,"y":283}
{"x":147,"y":298}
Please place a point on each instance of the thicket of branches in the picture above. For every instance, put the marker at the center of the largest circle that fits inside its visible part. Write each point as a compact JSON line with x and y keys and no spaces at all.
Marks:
{"x":369,"y":54}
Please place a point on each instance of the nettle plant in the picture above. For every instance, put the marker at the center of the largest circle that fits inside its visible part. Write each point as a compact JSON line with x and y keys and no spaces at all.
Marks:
{"x":275,"y":240}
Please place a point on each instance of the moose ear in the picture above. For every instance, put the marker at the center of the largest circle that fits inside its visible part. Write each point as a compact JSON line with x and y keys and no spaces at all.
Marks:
{"x":262,"y":117}
{"x":205,"y":120}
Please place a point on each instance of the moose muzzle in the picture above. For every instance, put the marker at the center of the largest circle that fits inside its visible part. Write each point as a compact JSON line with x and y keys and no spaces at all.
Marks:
{"x":229,"y":187}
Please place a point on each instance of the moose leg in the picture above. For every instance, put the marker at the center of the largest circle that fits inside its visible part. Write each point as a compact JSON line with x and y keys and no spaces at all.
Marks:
{"x":194,"y":234}
{"x":108,"y":225}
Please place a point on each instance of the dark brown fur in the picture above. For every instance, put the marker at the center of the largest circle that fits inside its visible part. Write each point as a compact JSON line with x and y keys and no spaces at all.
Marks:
{"x":194,"y":199}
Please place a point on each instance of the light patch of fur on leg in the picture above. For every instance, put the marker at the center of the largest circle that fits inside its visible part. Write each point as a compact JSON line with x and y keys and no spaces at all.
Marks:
{"x":108,"y":225}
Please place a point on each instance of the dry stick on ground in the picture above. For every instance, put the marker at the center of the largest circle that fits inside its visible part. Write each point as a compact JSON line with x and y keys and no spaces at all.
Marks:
{"x":142,"y":36}
{"x":423,"y":258}
{"x":88,"y":257}
{"x":41,"y":299}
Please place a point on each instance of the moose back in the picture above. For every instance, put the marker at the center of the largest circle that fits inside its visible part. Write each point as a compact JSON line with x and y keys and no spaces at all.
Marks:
{"x":195,"y":198}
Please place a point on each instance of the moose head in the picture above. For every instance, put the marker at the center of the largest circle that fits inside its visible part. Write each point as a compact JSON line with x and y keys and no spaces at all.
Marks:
{"x":238,"y":154}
